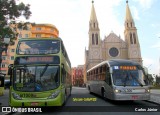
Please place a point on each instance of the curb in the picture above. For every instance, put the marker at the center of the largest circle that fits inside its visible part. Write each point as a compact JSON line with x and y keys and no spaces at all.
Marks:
{"x":153,"y":102}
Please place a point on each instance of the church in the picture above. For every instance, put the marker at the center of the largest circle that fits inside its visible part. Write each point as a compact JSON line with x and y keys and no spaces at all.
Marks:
{"x":112,"y":46}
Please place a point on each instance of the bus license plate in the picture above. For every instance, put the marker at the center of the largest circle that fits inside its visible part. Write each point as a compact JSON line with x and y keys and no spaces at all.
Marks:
{"x":34,"y":103}
{"x":134,"y":97}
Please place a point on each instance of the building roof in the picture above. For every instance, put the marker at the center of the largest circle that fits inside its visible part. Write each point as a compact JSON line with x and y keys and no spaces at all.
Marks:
{"x":46,"y":25}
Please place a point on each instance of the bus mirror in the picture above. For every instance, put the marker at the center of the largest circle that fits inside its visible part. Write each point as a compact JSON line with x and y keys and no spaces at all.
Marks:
{"x":145,"y":70}
{"x":111,"y":70}
{"x":10,"y":69}
{"x":62,"y":68}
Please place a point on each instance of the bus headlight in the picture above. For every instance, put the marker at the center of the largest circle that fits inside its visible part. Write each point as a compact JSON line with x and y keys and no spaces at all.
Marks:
{"x":54,"y":95}
{"x":117,"y":91}
{"x":16,"y":96}
{"x":147,"y":90}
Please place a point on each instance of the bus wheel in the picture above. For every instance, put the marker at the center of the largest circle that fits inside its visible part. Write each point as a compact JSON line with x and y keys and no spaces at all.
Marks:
{"x":70,"y":90}
{"x":103,"y":93}
{"x":65,"y":99}
{"x":89,"y":89}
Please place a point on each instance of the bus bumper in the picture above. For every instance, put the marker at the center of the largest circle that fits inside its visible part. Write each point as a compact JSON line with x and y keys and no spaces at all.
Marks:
{"x":37,"y":102}
{"x":118,"y":96}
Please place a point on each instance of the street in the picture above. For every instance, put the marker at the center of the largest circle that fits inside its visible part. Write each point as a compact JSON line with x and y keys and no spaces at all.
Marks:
{"x":81,"y":102}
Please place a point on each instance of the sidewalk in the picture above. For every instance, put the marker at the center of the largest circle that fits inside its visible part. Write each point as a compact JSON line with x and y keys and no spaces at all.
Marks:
{"x":155,"y":96}
{"x":4,"y":98}
{"x":155,"y":91}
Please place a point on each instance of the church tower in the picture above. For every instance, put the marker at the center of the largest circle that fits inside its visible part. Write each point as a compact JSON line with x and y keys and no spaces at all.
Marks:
{"x":131,"y":37}
{"x":94,"y":47}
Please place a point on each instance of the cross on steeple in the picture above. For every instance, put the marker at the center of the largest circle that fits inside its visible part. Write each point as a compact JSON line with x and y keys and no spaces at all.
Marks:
{"x":126,"y":1}
{"x":92,"y":1}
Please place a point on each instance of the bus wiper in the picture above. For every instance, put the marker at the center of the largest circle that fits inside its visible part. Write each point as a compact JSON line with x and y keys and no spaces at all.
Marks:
{"x":125,"y":80}
{"x":136,"y":79}
{"x":44,"y":70}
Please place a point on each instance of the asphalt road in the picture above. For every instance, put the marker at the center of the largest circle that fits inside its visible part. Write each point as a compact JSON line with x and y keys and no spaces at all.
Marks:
{"x":83,"y":103}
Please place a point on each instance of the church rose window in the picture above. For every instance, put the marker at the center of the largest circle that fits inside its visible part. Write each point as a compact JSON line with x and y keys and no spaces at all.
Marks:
{"x":113,"y":52}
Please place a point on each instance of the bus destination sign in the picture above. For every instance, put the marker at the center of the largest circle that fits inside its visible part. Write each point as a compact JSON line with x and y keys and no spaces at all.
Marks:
{"x":128,"y":67}
{"x":37,"y":60}
{"x":125,"y":67}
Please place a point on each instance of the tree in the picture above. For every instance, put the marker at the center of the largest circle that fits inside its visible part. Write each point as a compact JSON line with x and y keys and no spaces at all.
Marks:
{"x":9,"y":11}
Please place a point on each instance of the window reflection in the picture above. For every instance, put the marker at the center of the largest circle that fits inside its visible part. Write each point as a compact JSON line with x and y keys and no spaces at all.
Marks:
{"x":128,"y":77}
{"x":38,"y":47}
{"x":36,"y":78}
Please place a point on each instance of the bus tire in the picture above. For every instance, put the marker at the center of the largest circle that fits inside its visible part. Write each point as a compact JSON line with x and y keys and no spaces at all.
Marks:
{"x":70,"y":90}
{"x":103,"y":93}
{"x":89,"y":89}
{"x":65,"y":98}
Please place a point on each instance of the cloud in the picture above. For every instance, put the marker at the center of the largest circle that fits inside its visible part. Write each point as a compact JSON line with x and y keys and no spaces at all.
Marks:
{"x":156,"y":45}
{"x":145,"y":4}
{"x":151,"y":64}
{"x":156,"y":25}
{"x":108,"y":18}
{"x":135,"y":13}
{"x":148,"y":62}
{"x":158,"y":35}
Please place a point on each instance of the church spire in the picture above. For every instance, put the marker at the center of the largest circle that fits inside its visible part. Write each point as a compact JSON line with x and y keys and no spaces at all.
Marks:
{"x":131,"y":37}
{"x":128,"y":13}
{"x":93,"y":16}
{"x":129,"y":22}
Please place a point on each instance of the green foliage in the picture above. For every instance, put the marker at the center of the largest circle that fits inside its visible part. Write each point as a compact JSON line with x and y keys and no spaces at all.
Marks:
{"x":156,"y":85}
{"x":10,"y":10}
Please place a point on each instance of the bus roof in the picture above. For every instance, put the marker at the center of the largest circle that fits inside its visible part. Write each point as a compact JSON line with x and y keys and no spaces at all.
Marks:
{"x":43,"y":38}
{"x":116,"y":62}
{"x":122,"y":61}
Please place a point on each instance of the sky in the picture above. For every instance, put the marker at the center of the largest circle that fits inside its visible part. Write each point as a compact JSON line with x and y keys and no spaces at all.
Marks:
{"x":71,"y":17}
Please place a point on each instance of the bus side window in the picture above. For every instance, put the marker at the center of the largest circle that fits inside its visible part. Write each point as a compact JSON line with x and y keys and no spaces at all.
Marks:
{"x":108,"y":77}
{"x":63,"y":49}
{"x":63,"y":74}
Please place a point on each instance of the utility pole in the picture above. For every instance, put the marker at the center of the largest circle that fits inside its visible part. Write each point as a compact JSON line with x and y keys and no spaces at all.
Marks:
{"x":159,"y":66}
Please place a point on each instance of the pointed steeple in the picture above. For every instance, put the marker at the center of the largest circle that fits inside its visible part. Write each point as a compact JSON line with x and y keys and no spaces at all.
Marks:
{"x":94,"y":32}
{"x":129,"y":22}
{"x":131,"y":37}
{"x":93,"y":16}
{"x":128,"y":13}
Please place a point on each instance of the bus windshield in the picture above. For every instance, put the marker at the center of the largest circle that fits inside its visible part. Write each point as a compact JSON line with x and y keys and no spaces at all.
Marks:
{"x":131,"y":76}
{"x":38,"y":47}
{"x":36,"y":78}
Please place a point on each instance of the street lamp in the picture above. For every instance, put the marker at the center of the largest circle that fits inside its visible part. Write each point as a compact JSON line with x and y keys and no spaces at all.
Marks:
{"x":7,"y":39}
{"x":159,"y":63}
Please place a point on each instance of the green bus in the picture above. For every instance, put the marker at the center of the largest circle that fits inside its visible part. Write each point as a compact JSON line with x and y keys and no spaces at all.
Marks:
{"x":41,"y":73}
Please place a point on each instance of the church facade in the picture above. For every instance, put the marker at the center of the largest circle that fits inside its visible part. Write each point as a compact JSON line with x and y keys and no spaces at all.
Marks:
{"x":113,"y":46}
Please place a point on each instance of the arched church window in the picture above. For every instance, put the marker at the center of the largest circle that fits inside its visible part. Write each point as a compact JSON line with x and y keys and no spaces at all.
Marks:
{"x":93,"y":39}
{"x":131,"y":40}
{"x":134,"y":36}
{"x":96,"y":39}
{"x":127,"y":24}
{"x":94,"y":25}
